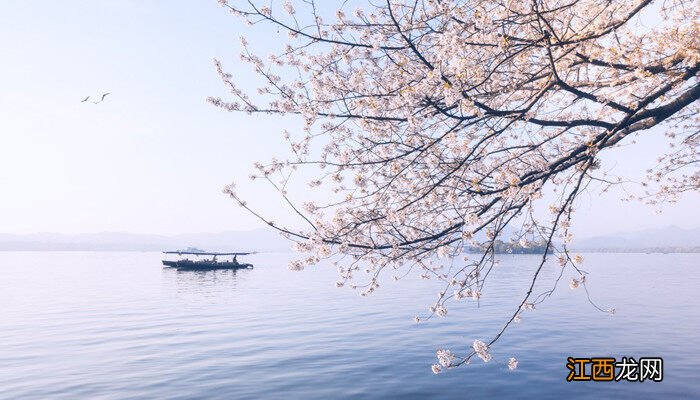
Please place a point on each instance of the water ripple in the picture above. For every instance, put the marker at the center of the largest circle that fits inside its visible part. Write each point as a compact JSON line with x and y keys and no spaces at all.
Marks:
{"x":117,"y":325}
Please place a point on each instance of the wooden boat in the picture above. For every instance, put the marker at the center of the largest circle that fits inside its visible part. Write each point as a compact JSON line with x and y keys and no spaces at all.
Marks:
{"x":205,"y":261}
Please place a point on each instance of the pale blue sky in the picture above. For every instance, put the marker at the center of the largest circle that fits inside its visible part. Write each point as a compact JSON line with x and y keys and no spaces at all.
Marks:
{"x":154,"y":156}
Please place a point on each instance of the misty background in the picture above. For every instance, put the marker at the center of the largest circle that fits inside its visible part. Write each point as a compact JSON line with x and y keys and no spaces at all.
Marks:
{"x":151,"y":160}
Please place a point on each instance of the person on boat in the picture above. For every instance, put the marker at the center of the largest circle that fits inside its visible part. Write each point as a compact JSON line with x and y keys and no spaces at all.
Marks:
{"x":235,"y":261}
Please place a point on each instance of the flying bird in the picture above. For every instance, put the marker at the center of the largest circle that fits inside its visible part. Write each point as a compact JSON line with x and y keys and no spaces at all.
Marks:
{"x":96,"y":102}
{"x":102,"y":98}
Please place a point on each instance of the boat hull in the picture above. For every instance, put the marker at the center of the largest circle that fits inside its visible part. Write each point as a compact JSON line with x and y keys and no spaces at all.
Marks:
{"x":205,"y":265}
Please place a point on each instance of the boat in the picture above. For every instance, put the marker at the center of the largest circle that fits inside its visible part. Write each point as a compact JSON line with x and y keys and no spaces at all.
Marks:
{"x":201,"y":260}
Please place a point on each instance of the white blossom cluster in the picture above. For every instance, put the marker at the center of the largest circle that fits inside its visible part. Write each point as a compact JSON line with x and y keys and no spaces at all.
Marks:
{"x":432,"y":126}
{"x":482,"y":350}
{"x":512,"y":363}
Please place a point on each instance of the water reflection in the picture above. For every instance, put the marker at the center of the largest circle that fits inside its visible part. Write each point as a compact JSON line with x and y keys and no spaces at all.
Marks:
{"x":204,"y":280}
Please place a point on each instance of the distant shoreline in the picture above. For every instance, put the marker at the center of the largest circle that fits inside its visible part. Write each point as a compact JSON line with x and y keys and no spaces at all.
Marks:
{"x":616,"y":251}
{"x":675,"y":250}
{"x":659,"y":241}
{"x":63,"y":247}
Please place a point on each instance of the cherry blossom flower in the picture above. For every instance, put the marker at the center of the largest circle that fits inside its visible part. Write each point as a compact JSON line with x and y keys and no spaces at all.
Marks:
{"x":574,"y":283}
{"x":433,"y":127}
{"x":512,"y":363}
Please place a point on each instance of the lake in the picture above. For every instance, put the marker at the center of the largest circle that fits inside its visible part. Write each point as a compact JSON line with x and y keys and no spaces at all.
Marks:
{"x":77,"y":325}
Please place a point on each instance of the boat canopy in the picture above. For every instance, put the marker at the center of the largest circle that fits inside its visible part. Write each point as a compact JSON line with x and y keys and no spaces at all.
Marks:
{"x":202,"y":253}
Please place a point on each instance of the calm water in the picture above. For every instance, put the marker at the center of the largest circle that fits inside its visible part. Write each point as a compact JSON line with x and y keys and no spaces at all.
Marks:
{"x":116,"y":325}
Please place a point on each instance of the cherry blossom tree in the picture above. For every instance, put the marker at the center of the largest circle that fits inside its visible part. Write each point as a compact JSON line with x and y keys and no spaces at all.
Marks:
{"x":436,"y":125}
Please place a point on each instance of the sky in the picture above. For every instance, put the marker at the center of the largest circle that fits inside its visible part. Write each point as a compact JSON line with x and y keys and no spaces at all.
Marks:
{"x":154,"y":156}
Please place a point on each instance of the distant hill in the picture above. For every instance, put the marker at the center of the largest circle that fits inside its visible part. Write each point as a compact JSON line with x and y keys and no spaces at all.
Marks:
{"x":253,"y":240}
{"x":670,"y":239}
